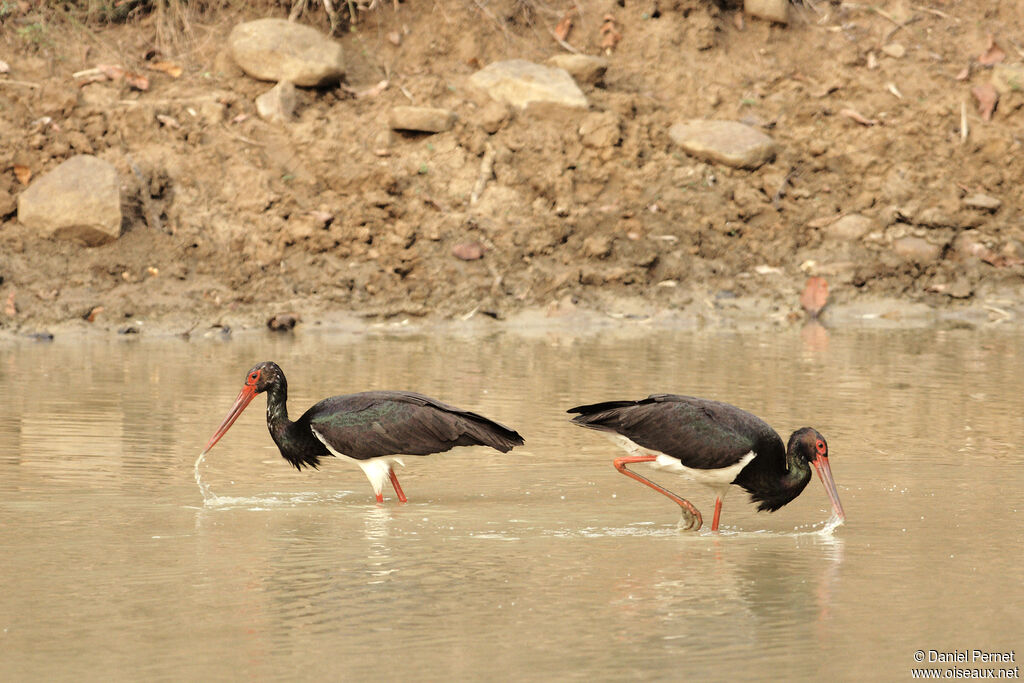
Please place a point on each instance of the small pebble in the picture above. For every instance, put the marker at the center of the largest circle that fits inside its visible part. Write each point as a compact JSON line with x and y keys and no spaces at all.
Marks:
{"x":894,"y":50}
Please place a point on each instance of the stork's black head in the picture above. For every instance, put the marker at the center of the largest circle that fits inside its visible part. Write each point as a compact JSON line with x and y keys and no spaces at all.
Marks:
{"x":808,"y":445}
{"x":260,"y":378}
{"x":263,"y":376}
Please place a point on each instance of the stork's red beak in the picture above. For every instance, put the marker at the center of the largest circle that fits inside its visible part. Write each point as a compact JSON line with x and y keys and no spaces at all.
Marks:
{"x":825,"y":474}
{"x":247,"y":394}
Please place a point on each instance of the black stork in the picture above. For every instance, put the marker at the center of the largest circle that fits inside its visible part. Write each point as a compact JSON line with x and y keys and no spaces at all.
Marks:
{"x":713,"y":443}
{"x":371,"y":428}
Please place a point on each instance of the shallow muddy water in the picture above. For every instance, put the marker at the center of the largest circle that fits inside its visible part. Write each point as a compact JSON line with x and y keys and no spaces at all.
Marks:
{"x":540,"y":564}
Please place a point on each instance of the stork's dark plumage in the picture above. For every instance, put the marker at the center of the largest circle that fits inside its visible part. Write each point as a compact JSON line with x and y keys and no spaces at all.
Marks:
{"x":714,"y":443}
{"x":372,"y":428}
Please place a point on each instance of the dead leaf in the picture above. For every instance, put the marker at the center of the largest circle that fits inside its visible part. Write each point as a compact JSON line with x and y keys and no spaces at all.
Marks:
{"x":11,"y":308}
{"x":858,"y":117}
{"x":993,"y":54}
{"x":93,"y":312}
{"x":395,"y":38}
{"x":565,"y":25}
{"x":136,"y":80}
{"x":815,"y":296}
{"x":610,"y":35}
{"x":737,"y":21}
{"x":4,"y":67}
{"x":964,"y":74}
{"x":239,"y":118}
{"x":23,"y":174}
{"x":169,"y":68}
{"x":468,"y":251}
{"x":987,"y":97}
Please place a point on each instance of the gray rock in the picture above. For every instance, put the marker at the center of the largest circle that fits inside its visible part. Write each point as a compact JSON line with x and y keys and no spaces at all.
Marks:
{"x":850,"y":228}
{"x":80,"y":200}
{"x":724,"y":142}
{"x":521,"y":83}
{"x":772,"y":10}
{"x":916,"y":249}
{"x":279,"y":50}
{"x":277,"y":105}
{"x":600,"y":129}
{"x":583,"y":68}
{"x":423,"y":119}
{"x":982,"y":202}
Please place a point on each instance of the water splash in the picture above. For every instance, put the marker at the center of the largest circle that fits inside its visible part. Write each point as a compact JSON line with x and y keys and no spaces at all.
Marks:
{"x":823,"y":529}
{"x":614,"y":532}
{"x":275,"y":500}
{"x":204,"y":489}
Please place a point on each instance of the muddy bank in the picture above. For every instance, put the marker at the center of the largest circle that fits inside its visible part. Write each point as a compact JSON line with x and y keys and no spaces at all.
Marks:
{"x":881,"y":157}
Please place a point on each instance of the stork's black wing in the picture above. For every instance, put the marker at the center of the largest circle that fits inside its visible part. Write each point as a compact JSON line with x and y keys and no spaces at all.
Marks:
{"x":703,"y":434}
{"x":376,"y":423}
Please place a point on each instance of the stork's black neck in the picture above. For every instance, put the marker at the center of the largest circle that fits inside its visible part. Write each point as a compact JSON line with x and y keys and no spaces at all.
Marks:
{"x":277,"y":409}
{"x":294,"y":440}
{"x":776,"y":478}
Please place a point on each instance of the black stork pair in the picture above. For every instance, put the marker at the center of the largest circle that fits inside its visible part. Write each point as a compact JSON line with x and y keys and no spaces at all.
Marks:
{"x":710,"y":442}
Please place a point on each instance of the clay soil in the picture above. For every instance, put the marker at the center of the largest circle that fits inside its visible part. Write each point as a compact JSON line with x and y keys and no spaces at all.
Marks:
{"x":230,"y":220}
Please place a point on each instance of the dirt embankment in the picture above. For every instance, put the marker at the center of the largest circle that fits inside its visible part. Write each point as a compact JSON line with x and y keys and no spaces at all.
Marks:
{"x":230,"y":219}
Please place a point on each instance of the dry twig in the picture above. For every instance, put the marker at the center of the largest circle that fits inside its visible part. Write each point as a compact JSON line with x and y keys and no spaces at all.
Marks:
{"x":486,"y":173}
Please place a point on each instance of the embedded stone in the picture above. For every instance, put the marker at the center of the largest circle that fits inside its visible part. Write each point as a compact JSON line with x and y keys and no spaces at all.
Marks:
{"x":277,"y":105}
{"x":280,"y":50}
{"x":521,"y":83}
{"x":600,"y":129}
{"x":771,"y":10}
{"x":916,"y":249}
{"x":583,"y":68}
{"x":982,"y":202}
{"x":79,"y":200}
{"x":851,"y":228}
{"x":422,"y":119}
{"x":725,"y":142}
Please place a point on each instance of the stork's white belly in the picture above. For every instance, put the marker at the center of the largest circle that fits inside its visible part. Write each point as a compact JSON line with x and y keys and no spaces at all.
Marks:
{"x":719,"y":479}
{"x":375,"y":469}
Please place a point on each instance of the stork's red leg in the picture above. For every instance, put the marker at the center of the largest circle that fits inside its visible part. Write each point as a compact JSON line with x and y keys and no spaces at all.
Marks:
{"x":398,"y":487}
{"x":718,"y":513}
{"x":695,"y":519}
